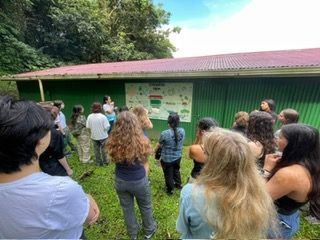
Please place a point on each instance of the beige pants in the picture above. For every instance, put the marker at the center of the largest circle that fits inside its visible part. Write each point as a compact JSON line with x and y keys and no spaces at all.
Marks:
{"x":84,"y":148}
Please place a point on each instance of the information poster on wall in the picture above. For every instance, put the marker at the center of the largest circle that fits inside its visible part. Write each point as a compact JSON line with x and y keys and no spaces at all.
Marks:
{"x":161,"y":98}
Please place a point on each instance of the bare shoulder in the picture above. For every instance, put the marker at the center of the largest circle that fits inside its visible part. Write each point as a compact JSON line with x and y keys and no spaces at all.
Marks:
{"x":256,"y":147}
{"x":196,"y":153}
{"x":195,"y":149}
{"x":294,"y":174}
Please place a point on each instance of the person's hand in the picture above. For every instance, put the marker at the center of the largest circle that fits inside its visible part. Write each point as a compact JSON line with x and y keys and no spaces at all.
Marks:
{"x":94,"y":211}
{"x":270,"y":161}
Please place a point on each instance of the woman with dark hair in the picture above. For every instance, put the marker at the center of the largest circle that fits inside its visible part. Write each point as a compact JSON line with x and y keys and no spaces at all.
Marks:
{"x":171,"y":141}
{"x":99,"y":126}
{"x":129,"y":149}
{"x":196,"y":152}
{"x":293,"y":179}
{"x":53,"y":160}
{"x":35,"y":205}
{"x":81,"y":133}
{"x":269,"y":106}
{"x":260,"y":135}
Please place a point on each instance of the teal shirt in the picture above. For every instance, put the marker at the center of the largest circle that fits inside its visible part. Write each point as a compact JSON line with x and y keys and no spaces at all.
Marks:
{"x":191,"y":222}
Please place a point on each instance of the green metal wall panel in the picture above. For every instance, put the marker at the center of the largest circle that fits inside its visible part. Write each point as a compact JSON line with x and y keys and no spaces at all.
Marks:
{"x":298,"y":93}
{"x":29,"y":90}
{"x":218,"y":98}
{"x":83,"y":92}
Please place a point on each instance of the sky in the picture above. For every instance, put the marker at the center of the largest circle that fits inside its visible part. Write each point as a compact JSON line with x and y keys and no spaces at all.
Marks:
{"x":211,"y":27}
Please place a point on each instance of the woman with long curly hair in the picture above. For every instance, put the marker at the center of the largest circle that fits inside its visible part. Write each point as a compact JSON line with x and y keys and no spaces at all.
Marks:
{"x":129,"y":150}
{"x":216,"y":205}
{"x":260,"y":135}
{"x":294,"y":177}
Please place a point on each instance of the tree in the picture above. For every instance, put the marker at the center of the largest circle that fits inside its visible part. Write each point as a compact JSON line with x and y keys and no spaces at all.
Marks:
{"x":138,"y":23}
{"x":15,"y":55}
{"x":37,"y":34}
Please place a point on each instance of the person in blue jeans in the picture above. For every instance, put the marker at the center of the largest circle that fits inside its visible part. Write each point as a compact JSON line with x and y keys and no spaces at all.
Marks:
{"x":293,"y":179}
{"x":129,"y":150}
{"x":171,"y":142}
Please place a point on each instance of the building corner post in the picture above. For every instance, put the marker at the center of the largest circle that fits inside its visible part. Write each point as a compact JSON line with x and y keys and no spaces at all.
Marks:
{"x":41,"y":90}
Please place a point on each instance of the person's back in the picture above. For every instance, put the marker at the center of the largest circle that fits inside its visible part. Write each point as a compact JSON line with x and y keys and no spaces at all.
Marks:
{"x":35,"y":204}
{"x":98,"y":124}
{"x":49,"y":159}
{"x":171,"y":150}
{"x":42,"y":206}
{"x":216,"y":205}
{"x":131,"y":182}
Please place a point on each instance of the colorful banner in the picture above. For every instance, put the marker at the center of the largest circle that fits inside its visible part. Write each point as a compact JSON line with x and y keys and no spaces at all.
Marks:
{"x":161,"y":98}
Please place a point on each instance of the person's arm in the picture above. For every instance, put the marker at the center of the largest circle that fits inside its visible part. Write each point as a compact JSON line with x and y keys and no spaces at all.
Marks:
{"x":281,"y":184}
{"x":110,"y":108}
{"x":256,"y":148}
{"x":146,"y":166}
{"x":183,"y":220}
{"x":196,"y":153}
{"x":106,"y":125}
{"x":87,"y":122}
{"x":157,"y":147}
{"x":63,"y":161}
{"x":94,"y":211}
{"x":147,"y":123}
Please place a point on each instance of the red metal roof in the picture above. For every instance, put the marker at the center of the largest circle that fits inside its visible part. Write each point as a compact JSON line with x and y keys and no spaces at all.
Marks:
{"x":238,"y":61}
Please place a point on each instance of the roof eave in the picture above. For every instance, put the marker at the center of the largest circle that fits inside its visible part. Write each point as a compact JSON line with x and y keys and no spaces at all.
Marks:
{"x":266,"y":72}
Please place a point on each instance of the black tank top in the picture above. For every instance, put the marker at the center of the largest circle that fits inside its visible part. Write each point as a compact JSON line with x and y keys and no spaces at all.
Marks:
{"x":287,"y":206}
{"x":196,"y":169}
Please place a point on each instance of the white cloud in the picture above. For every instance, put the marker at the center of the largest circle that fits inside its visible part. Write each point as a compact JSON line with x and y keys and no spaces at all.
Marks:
{"x":262,"y":25}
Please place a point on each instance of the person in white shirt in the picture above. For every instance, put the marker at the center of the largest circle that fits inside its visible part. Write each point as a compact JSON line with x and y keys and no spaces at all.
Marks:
{"x":99,"y":126}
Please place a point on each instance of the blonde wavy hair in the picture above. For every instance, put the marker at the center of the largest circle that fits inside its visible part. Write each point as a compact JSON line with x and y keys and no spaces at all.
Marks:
{"x":126,"y":142}
{"x":234,"y":189}
{"x":142,"y":115}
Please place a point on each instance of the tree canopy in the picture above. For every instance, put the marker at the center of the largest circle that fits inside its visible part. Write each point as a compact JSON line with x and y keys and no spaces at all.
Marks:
{"x":36,"y":34}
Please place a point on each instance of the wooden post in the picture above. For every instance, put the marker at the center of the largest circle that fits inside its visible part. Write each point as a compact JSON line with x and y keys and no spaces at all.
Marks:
{"x":41,"y":90}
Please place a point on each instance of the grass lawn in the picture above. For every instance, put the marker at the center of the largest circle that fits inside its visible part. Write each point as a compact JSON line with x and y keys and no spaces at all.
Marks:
{"x":111,"y":224}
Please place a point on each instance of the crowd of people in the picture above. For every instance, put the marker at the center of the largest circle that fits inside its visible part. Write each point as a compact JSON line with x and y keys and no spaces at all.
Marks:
{"x":246,"y":167}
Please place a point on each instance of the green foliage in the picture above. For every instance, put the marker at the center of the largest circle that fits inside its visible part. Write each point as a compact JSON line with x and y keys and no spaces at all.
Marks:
{"x":69,"y":30}
{"x":37,"y":34}
{"x":9,"y":88}
{"x":15,"y":55}
{"x":166,"y":208}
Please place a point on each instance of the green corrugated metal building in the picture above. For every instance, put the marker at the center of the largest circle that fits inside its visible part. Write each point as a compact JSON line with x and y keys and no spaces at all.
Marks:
{"x":222,"y":84}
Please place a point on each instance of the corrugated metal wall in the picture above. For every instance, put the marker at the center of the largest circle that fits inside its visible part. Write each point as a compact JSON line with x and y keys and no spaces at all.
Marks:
{"x":218,"y":98}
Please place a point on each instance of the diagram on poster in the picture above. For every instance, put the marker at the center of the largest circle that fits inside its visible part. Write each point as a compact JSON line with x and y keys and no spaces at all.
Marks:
{"x":161,"y":98}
